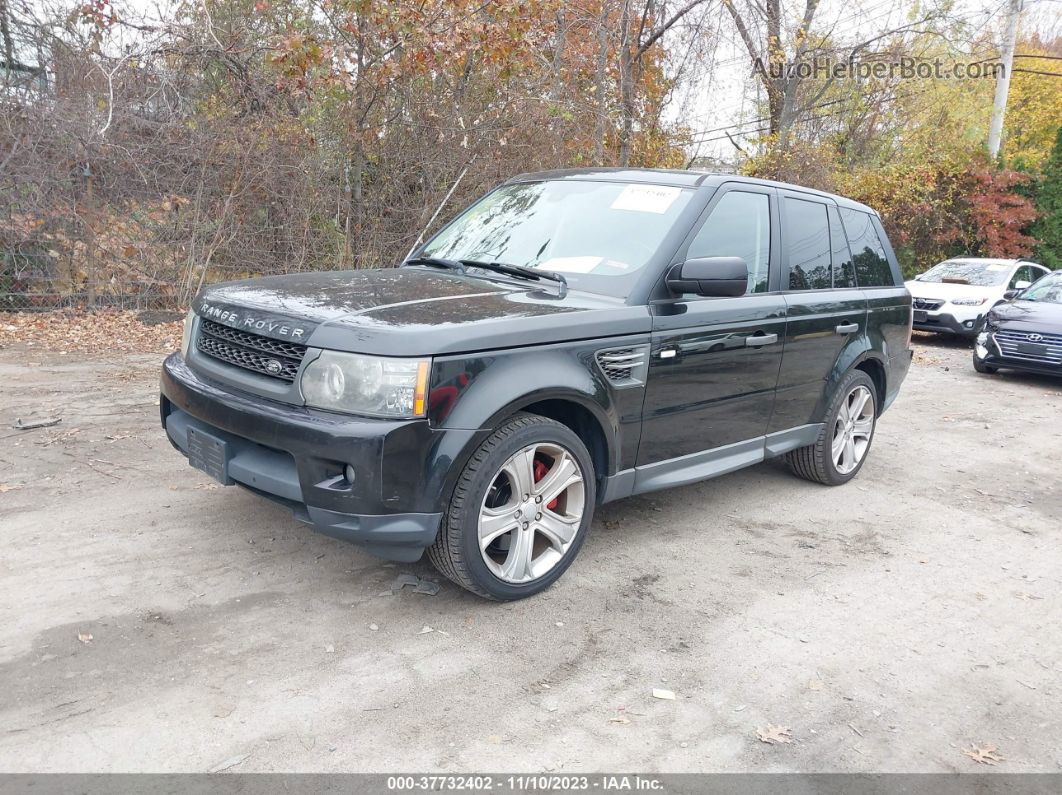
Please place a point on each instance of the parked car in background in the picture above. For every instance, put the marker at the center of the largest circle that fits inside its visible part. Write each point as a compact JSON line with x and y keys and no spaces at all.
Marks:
{"x":1025,"y":332}
{"x":954,"y":296}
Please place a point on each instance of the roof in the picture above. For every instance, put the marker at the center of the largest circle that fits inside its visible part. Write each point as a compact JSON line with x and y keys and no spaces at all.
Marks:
{"x":677,"y":178}
{"x":989,"y":260}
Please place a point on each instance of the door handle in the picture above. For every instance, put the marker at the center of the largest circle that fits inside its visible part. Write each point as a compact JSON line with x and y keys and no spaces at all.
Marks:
{"x":847,"y":328}
{"x":759,"y":340}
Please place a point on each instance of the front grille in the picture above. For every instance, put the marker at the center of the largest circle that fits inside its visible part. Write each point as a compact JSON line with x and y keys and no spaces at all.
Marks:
{"x":1047,"y":350}
{"x":270,"y":357}
{"x":926,"y":303}
{"x":624,"y":366}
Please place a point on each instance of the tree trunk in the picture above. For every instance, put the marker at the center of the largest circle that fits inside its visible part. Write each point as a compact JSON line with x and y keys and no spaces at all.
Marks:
{"x":5,"y":34}
{"x":626,"y":86}
{"x":775,"y":84}
{"x":599,"y":85}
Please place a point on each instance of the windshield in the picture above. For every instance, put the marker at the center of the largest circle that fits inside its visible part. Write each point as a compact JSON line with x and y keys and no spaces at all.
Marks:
{"x":1048,"y":289}
{"x":978,"y":274}
{"x":599,"y":235}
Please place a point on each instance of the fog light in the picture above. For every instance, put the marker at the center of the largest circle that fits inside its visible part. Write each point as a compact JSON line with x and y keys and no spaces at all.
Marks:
{"x":968,"y":324}
{"x":348,"y":473}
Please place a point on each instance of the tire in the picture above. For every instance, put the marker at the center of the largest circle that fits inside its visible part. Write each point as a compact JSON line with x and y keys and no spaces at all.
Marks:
{"x":543,"y":537}
{"x":983,"y":368}
{"x":816,"y":462}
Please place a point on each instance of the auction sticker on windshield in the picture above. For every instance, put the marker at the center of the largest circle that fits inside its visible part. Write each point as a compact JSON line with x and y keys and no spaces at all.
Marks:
{"x":646,"y":198}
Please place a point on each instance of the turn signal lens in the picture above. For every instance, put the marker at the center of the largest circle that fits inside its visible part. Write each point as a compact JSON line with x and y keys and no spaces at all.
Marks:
{"x":420,"y":392}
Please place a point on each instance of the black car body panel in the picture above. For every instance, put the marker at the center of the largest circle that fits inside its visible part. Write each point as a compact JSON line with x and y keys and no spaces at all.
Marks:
{"x":664,"y":389}
{"x":1024,"y":335}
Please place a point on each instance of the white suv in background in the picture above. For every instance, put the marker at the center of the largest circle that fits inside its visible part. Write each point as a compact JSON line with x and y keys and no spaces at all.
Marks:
{"x":954,"y":296}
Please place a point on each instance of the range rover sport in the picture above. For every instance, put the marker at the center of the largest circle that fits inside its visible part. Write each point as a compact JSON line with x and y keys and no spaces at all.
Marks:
{"x":572,"y":338}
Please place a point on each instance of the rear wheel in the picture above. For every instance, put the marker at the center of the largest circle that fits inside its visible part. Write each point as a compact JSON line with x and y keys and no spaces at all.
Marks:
{"x":839,"y":452}
{"x":519,"y":512}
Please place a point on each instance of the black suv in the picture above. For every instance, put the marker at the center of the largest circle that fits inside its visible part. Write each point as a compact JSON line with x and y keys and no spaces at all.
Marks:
{"x":572,"y":338}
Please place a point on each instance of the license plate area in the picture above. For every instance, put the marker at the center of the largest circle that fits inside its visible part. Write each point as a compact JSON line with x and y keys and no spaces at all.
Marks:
{"x":920,"y":316}
{"x":1032,"y":349}
{"x":209,"y":454}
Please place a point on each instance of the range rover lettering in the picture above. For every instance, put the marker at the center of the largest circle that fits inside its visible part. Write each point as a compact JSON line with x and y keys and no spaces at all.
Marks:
{"x":572,"y":338}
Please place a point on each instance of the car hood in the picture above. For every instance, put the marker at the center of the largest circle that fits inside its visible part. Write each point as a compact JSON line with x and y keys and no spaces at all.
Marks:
{"x":1029,"y":316}
{"x":414,"y":311}
{"x":946,"y":291}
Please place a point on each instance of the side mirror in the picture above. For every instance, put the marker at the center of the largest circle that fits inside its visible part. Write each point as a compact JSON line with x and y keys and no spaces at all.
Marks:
{"x":1022,"y":284}
{"x":1010,"y":295}
{"x":710,"y":276}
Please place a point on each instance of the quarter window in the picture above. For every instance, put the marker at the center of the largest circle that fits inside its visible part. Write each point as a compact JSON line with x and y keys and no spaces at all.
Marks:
{"x":739,"y":226}
{"x":808,"y":231}
{"x":871,"y":266}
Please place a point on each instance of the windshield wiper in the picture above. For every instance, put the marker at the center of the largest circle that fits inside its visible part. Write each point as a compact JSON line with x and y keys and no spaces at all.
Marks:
{"x":520,"y":272}
{"x":437,"y":262}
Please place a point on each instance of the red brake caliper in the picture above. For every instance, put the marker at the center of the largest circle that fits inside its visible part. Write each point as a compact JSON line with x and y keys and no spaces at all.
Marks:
{"x":540,"y":471}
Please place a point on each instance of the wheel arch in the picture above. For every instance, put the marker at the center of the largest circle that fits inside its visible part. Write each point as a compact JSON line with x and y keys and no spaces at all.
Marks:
{"x":584,"y":423}
{"x":875,"y":368}
{"x":856,"y":357}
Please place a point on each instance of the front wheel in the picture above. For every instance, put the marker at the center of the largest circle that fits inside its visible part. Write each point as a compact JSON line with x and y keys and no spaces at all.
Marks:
{"x":520,"y":510}
{"x":839,"y":452}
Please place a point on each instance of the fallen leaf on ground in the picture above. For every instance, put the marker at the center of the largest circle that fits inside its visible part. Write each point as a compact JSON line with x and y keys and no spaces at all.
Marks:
{"x":84,"y":637}
{"x":772,"y":735}
{"x":667,"y":695}
{"x":425,"y":630}
{"x":102,"y":332}
{"x":984,"y":754}
{"x":6,"y":487}
{"x":619,"y":719}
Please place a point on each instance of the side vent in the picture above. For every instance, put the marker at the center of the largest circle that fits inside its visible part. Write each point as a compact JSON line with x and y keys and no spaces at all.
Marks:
{"x":624,"y":366}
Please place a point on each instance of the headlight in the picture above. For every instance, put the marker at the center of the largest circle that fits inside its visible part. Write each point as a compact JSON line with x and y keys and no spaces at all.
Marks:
{"x":373,"y":385}
{"x":186,"y":337}
{"x":968,"y":301}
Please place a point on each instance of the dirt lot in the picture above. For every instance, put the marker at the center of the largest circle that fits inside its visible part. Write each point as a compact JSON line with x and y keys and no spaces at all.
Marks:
{"x":152,"y":621}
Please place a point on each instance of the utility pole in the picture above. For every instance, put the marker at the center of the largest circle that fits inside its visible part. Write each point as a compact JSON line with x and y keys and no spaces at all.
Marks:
{"x":999,"y":108}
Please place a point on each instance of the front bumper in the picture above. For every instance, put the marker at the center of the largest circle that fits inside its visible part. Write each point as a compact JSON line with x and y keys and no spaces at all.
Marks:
{"x":989,"y":351}
{"x":963,"y":321}
{"x":297,"y":457}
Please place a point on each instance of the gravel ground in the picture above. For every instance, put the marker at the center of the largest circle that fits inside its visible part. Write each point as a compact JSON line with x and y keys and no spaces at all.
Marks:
{"x":150,"y":620}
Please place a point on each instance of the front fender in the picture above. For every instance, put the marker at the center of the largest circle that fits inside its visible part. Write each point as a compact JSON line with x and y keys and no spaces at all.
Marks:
{"x":477,"y":392}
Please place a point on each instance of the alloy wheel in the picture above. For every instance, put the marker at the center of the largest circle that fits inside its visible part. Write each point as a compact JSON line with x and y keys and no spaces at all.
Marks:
{"x":852,"y":429}
{"x":531,"y":513}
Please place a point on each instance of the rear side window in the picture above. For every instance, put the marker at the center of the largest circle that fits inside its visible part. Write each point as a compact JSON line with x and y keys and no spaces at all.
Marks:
{"x":808,"y":234}
{"x":871,"y":266}
{"x":843,"y":267}
{"x":739,"y":226}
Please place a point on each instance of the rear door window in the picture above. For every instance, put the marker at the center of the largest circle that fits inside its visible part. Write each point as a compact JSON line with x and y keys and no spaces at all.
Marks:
{"x":807,"y":231}
{"x":871,"y":265}
{"x":843,"y":267}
